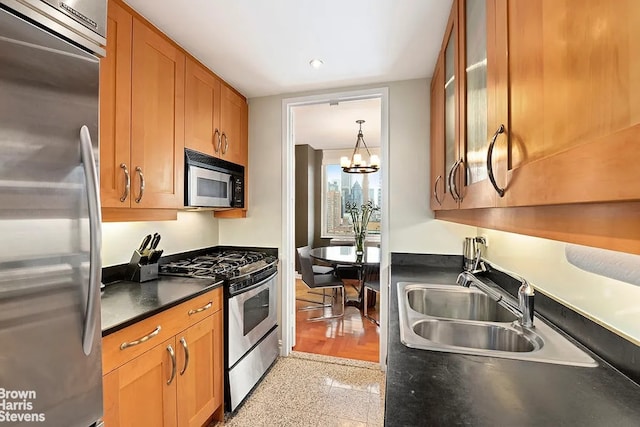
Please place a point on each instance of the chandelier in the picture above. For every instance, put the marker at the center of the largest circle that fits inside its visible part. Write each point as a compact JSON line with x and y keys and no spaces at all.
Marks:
{"x":357,"y":164}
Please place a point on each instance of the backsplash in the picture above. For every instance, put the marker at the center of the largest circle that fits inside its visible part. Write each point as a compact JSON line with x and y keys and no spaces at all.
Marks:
{"x":192,"y":230}
{"x":611,"y":303}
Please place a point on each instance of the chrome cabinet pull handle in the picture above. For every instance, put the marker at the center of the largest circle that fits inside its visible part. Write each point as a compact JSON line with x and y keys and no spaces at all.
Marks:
{"x":435,"y":190}
{"x":216,"y":147}
{"x":450,"y":179}
{"x":172,"y":354}
{"x":95,"y":237}
{"x":127,"y":182}
{"x":139,"y":170}
{"x":186,"y":355}
{"x":226,"y":143}
{"x":145,"y":338}
{"x":455,"y":175}
{"x":201,"y":309}
{"x":492,"y":178}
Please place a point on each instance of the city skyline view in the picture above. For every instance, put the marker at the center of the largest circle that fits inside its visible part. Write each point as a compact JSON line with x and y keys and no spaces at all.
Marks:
{"x":342,"y":188}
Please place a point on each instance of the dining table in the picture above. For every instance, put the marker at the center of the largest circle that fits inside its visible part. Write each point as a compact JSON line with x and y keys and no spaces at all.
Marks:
{"x":346,"y":256}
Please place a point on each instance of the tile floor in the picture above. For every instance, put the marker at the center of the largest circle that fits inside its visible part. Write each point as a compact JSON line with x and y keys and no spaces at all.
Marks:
{"x":313,"y":390}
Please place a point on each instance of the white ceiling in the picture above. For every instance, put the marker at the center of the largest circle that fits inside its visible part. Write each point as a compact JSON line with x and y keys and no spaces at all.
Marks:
{"x":263,"y":47}
{"x":325,"y":126}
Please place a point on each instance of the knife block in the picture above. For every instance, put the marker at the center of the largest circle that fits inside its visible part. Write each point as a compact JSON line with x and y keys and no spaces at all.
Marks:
{"x":139,"y":271}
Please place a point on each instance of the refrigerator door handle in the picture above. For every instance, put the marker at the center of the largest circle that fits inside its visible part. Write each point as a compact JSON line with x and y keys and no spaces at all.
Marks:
{"x":95,"y":221}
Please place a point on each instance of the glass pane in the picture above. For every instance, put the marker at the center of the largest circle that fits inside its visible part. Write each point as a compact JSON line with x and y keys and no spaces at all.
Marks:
{"x":450,"y":106}
{"x":256,"y":309}
{"x":212,"y":188}
{"x":342,"y":188}
{"x":476,"y":96}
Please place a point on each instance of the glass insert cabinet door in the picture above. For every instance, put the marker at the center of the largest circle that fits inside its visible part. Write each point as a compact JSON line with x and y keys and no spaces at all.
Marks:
{"x":477,"y":71}
{"x":450,"y":108}
{"x":475,"y":76}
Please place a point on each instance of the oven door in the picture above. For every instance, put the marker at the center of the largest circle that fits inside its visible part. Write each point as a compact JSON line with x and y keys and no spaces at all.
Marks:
{"x":208,"y":188}
{"x":252,"y":313}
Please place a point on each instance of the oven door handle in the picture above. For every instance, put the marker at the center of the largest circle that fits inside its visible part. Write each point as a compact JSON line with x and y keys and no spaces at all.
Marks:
{"x":254,"y":286}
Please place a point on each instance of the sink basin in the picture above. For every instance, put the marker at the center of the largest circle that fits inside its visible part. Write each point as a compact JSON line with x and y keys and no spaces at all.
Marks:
{"x":476,"y":335}
{"x":458,"y":303}
{"x":456,"y":319}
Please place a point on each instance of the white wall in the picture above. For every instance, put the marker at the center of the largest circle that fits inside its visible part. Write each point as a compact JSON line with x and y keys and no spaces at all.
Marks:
{"x":412,"y":227}
{"x":192,"y":230}
{"x":412,"y":224}
{"x":611,"y":303}
{"x":262,"y":227}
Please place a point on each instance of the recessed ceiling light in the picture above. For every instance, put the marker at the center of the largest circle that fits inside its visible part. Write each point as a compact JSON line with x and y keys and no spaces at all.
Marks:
{"x":316,"y":63}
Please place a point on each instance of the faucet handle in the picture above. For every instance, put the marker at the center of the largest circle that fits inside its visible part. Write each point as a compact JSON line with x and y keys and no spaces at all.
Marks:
{"x":526,"y":296}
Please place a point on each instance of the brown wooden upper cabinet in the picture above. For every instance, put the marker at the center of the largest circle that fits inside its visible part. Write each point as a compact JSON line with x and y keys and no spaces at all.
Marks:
{"x":215,"y":116}
{"x":142,"y":116}
{"x":562,"y":80}
{"x":462,"y":91}
{"x":572,"y":101}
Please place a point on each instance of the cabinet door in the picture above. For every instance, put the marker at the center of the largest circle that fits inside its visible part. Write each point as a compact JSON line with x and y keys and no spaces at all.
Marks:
{"x":573,"y":100}
{"x":202,"y":110}
{"x":233,"y":110}
{"x":476,"y":35}
{"x":137,"y":394}
{"x":451,"y":113}
{"x":157,"y":120}
{"x":115,"y":109}
{"x":200,"y":373}
{"x":438,"y":176}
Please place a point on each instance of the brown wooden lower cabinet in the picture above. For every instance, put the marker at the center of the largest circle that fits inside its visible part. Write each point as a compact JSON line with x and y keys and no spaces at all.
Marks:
{"x":200,"y":383}
{"x":137,"y":393}
{"x":178,"y":382}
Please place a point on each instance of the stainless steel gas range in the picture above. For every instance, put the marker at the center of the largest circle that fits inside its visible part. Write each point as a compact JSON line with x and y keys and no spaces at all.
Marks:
{"x":250,"y":318}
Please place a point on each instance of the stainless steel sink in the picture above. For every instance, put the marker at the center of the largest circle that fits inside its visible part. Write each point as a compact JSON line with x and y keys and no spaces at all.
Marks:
{"x":476,"y":335}
{"x":457,"y":303}
{"x":455,"y":319}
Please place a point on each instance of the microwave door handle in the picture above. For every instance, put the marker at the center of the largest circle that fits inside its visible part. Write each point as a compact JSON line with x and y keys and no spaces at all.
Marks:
{"x":230,"y":190}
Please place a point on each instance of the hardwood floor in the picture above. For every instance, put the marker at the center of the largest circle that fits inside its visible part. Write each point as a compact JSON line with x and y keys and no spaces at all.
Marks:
{"x":352,"y":336}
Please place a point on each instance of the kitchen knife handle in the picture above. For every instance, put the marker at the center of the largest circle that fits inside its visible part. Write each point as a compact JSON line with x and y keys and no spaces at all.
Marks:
{"x":145,"y":338}
{"x":172,"y":354}
{"x":144,"y":243}
{"x":155,"y":240}
{"x":216,"y":147}
{"x":139,"y":170}
{"x":186,"y":355}
{"x":95,"y":233}
{"x":226,"y":143}
{"x":127,"y":182}
{"x":201,"y":309}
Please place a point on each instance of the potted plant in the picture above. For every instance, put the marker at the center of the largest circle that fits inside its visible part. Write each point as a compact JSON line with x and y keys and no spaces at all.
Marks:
{"x":360,"y":218}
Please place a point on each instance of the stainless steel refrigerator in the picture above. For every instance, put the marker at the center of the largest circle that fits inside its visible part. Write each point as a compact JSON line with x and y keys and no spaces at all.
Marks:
{"x":50,"y":271}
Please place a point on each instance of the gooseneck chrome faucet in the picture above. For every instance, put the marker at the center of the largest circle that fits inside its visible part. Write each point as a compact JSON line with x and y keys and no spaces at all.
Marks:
{"x":525,"y":306}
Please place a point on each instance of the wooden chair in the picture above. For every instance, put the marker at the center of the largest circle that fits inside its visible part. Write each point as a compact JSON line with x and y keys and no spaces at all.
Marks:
{"x":321,"y":282}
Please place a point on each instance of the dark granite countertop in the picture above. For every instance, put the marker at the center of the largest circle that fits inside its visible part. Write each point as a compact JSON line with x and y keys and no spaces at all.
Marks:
{"x":429,"y":388}
{"x":124,"y":303}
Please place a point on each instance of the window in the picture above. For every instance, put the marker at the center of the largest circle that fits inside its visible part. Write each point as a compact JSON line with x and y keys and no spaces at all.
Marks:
{"x":340,"y":188}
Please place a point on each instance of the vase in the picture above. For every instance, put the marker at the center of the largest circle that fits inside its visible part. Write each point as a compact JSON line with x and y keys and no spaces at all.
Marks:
{"x":360,"y":243}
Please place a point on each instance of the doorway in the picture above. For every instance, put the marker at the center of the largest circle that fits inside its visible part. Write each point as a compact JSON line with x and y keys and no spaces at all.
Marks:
{"x":319,"y":233}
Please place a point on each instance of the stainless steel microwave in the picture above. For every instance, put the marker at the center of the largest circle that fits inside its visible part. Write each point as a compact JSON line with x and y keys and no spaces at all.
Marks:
{"x":211,"y":182}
